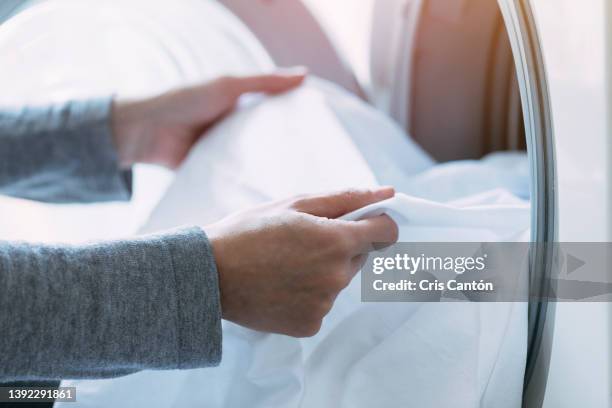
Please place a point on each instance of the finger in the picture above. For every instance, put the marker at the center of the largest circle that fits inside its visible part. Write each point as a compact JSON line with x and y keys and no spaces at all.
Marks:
{"x":337,"y":204}
{"x":277,"y":82}
{"x":372,"y":232}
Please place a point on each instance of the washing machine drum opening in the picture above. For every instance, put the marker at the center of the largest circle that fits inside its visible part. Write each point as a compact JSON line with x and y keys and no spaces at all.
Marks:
{"x":464,"y":94}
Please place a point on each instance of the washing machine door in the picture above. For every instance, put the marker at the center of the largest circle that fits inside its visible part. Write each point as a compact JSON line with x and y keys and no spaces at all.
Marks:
{"x":560,"y":52}
{"x":539,"y":133}
{"x":564,"y":44}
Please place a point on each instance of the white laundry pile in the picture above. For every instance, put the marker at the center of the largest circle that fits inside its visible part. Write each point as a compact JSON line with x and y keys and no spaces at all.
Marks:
{"x":366,"y":354}
{"x":290,"y":144}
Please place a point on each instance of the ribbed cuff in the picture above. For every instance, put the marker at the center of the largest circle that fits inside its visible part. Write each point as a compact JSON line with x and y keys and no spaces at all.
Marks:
{"x":90,"y":121}
{"x":61,"y":153}
{"x":198,"y":299}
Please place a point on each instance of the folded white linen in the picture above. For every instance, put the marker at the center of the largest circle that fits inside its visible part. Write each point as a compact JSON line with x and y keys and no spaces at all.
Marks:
{"x":366,"y":354}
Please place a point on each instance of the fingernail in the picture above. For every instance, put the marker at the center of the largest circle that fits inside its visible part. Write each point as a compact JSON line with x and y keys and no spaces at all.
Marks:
{"x":384,"y":192}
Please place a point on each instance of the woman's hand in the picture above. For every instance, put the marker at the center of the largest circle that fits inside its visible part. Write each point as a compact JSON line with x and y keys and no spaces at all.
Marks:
{"x":281,"y":265}
{"x":161,"y":130}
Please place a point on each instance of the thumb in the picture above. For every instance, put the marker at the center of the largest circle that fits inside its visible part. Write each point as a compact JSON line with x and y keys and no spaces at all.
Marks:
{"x":373,"y":233}
{"x":337,"y":204}
{"x":280,"y":81}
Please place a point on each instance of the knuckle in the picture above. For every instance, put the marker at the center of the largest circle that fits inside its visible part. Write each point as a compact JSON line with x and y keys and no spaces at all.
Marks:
{"x":309,"y":323}
{"x":305,"y":329}
{"x":226,"y":85}
{"x":393,"y":229}
{"x":291,"y":331}
{"x":319,"y":309}
{"x":333,"y":244}
{"x":354,"y":193}
{"x":308,"y":226}
{"x":311,"y":328}
{"x":299,"y":202}
{"x":222,"y":81}
{"x":351,"y":193}
{"x":338,"y":281}
{"x":325,"y":236}
{"x":324,"y":306}
{"x":344,"y":243}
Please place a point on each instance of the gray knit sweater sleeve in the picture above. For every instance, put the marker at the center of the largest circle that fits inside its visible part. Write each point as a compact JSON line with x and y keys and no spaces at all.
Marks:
{"x":61,"y":153}
{"x":103,"y":309}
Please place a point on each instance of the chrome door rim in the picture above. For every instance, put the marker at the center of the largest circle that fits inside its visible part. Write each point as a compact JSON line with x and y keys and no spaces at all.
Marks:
{"x":525,"y":42}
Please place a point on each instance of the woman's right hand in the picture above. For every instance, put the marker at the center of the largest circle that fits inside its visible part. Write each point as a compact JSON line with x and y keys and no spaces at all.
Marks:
{"x":281,"y":265}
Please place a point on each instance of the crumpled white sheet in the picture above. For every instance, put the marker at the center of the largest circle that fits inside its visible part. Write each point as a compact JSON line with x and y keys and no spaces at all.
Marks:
{"x":287,"y":145}
{"x":366,"y":354}
{"x":481,"y":222}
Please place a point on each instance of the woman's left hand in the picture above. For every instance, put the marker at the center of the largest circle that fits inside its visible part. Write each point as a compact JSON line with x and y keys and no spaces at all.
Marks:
{"x":161,"y":130}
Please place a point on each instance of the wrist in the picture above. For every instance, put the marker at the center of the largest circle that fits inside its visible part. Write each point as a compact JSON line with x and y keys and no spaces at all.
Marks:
{"x":216,"y":245}
{"x":128,"y":129}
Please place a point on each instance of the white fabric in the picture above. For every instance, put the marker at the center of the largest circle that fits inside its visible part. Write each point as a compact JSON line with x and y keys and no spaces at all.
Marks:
{"x":93,"y":47}
{"x":414,"y":216}
{"x":287,"y":145}
{"x":367,"y":354}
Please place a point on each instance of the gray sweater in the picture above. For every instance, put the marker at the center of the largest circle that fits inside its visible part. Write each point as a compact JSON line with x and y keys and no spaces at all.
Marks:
{"x":108,"y":308}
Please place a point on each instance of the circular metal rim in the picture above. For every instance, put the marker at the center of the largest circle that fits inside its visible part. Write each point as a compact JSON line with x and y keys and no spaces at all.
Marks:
{"x":529,"y":61}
